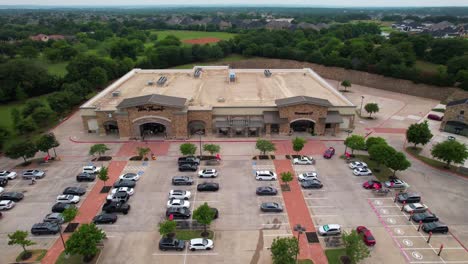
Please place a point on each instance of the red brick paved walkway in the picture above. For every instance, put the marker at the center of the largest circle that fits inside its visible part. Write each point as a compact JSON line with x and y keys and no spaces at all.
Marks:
{"x":129,"y":149}
{"x":88,"y":209}
{"x":312,"y":147}
{"x":298,"y":213}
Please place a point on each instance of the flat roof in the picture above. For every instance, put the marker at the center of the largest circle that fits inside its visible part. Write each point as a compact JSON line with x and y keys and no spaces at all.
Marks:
{"x":213,"y":88}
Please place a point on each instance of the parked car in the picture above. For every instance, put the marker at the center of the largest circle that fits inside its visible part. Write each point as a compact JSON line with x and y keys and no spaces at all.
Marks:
{"x":171,"y":244}
{"x":36,"y":174}
{"x":266,"y":190}
{"x":129,"y":191}
{"x":130,"y":176}
{"x":124,"y":183}
{"x":178,"y":203}
{"x":207,"y":187}
{"x":208,"y":173}
{"x":91,"y":169}
{"x":178,"y":212}
{"x":3,"y":182}
{"x":366,"y":235}
{"x":74,"y":191}
{"x":329,"y":230}
{"x":188,"y":167}
{"x":60,"y":207}
{"x":74,"y":199}
{"x":435,"y":227}
{"x":328,"y":154}
{"x":415,"y":208}
{"x":182,"y":180}
{"x":451,"y":138}
{"x":2,"y":190}
{"x":84,"y":176}
{"x":9,"y":175}
{"x":45,"y":229}
{"x":303,"y":160}
{"x":12,"y":196}
{"x":308,"y":176}
{"x":56,"y":218}
{"x":357,"y":164}
{"x":6,"y":204}
{"x":118,"y":197}
{"x":179,"y":194}
{"x":201,"y":244}
{"x":372,"y":184}
{"x":116,"y":207}
{"x":265,"y":176}
{"x":409,"y":197}
{"x":425,"y":217}
{"x":362,"y":172}
{"x":104,"y":218}
{"x":188,"y":159}
{"x":312,"y":184}
{"x":435,"y":117}
{"x":271,"y":207}
{"x":396,"y":184}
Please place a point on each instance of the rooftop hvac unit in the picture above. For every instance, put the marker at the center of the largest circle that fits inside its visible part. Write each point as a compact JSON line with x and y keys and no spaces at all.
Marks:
{"x":162,"y":80}
{"x":221,"y":100}
{"x":267,"y":73}
{"x":197,"y":73}
{"x":149,"y":83}
{"x":232,"y":76}
{"x":115,"y":93}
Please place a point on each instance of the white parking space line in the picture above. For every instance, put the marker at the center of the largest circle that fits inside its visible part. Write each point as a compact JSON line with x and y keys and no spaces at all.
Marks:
{"x":324,"y":215}
{"x":274,"y":235}
{"x":287,"y":223}
{"x":426,"y":236}
{"x":44,"y":237}
{"x":272,"y":214}
{"x":409,"y":248}
{"x":321,"y":206}
{"x":316,"y":198}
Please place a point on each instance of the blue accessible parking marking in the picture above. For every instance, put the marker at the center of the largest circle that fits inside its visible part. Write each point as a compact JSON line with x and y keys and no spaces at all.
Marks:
{"x":145,"y":163}
{"x":140,"y":173}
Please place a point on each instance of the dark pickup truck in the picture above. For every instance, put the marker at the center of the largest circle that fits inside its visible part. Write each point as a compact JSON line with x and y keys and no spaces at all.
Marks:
{"x":116,"y":207}
{"x":189,"y":159}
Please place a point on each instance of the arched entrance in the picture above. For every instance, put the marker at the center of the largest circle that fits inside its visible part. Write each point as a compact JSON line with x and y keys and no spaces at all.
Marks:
{"x":196,"y":126}
{"x":148,"y":127}
{"x":302,"y":125}
{"x":111,"y":127}
{"x":152,"y":129}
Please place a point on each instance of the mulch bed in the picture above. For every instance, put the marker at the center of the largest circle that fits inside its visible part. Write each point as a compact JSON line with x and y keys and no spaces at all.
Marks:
{"x":136,"y":158}
{"x":206,"y":157}
{"x":285,"y":188}
{"x":201,"y":40}
{"x":312,"y":237}
{"x":106,"y":189}
{"x":292,"y":156}
{"x":264,"y":157}
{"x":102,"y":158}
{"x":70,"y":227}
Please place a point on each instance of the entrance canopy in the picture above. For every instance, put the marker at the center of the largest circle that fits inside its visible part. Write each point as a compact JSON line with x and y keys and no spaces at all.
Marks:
{"x":155,"y":99}
{"x":333,"y":117}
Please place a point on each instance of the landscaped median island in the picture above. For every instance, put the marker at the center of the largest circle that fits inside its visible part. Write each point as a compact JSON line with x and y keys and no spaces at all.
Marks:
{"x":416,"y":153}
{"x":333,"y":255}
{"x":75,"y":259}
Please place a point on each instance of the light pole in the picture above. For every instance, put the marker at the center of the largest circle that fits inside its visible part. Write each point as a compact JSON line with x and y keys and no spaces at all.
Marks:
{"x":299,"y":229}
{"x":346,"y":147}
{"x":200,"y":133}
{"x":61,"y":237}
{"x":362,"y":101}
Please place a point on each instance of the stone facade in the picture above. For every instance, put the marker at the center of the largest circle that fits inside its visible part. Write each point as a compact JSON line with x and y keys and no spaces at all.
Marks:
{"x":205,"y":116}
{"x":314,"y":113}
{"x":457,"y":113}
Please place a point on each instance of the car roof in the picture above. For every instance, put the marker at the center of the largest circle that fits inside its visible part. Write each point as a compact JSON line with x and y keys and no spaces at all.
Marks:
{"x":89,"y":167}
{"x":5,"y":201}
{"x":333,"y":226}
{"x":197,"y":240}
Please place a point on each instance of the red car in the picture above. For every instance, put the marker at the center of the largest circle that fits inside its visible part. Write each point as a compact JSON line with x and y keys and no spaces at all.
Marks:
{"x":435,"y":117}
{"x":372,"y":185}
{"x":366,"y":235}
{"x":329,"y":153}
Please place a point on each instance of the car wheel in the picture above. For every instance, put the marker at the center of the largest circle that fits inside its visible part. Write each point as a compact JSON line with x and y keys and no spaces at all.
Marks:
{"x":179,"y":249}
{"x":208,"y":248}
{"x":163,"y":249}
{"x":260,"y":179}
{"x":212,"y":176}
{"x":126,"y":212}
{"x":192,"y":249}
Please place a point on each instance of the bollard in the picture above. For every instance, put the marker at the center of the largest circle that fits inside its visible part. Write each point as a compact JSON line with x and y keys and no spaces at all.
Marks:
{"x":429,"y":238}
{"x":440,"y":250}
{"x":420,"y":224}
{"x":396,"y":196}
{"x":411,"y":215}
{"x":403,"y":206}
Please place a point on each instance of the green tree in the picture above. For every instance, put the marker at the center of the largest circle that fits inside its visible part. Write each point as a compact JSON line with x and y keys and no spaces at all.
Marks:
{"x":346,"y":84}
{"x":47,"y":141}
{"x":42,"y":115}
{"x":381,"y":153}
{"x":103,"y":174}
{"x":21,"y":149}
{"x":188,"y":149}
{"x":167,"y":228}
{"x":211,"y":148}
{"x":84,"y":241}
{"x":450,"y":151}
{"x":143,"y":152}
{"x":99,"y":149}
{"x":265,"y":146}
{"x":298,"y":144}
{"x":69,"y":214}
{"x":97,"y":76}
{"x":397,"y":162}
{"x":371,"y":108}
{"x":286,"y":177}
{"x":419,"y":134}
{"x":356,"y":250}
{"x":19,"y":237}
{"x":25,"y":126}
{"x":284,"y":250}
{"x":15,"y":115}
{"x":355,"y":142}
{"x":30,"y":106}
{"x":4,"y":135}
{"x":204,"y":215}
{"x":28,"y":52}
{"x":370,"y":141}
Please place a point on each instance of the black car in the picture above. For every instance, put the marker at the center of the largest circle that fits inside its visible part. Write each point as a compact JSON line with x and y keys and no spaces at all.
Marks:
{"x":12,"y":196}
{"x":116,"y":207}
{"x":74,"y":191}
{"x":271,"y":207}
{"x":435,"y":227}
{"x":208,"y":187}
{"x":178,"y":213}
{"x":45,"y":229}
{"x":425,"y":217}
{"x":124,"y":183}
{"x":311,"y":184}
{"x":105,"y":219}
{"x":409,"y":198}
{"x":171,"y":244}
{"x":3,"y":182}
{"x":182,"y":180}
{"x":266,"y":190}
{"x":84,"y":176}
{"x":188,"y":167}
{"x":60,"y":207}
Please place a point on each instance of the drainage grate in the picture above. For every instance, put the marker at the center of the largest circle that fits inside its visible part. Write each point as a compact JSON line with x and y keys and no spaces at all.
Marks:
{"x":71,"y":227}
{"x":106,"y":189}
{"x":312,"y":237}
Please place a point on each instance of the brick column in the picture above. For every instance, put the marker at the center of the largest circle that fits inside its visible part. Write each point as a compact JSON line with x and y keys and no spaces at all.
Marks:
{"x":268,"y":130}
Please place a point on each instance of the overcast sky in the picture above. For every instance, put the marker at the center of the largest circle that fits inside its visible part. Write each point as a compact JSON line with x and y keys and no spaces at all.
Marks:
{"x":373,"y":3}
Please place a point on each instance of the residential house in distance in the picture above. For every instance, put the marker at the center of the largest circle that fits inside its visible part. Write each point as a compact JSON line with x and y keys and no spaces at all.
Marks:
{"x":455,"y":117}
{"x":45,"y":38}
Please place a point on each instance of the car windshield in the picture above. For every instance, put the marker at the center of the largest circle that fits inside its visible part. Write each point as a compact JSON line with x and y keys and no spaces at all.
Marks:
{"x":370,"y":237}
{"x":205,"y":242}
{"x":326,"y":227}
{"x":431,"y":225}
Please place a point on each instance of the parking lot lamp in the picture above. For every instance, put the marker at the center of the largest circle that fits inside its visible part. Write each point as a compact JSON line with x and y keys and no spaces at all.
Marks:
{"x":61,"y":236}
{"x":299,"y":229}
{"x":362,"y":101}
{"x":200,"y":133}
{"x":349,"y":132}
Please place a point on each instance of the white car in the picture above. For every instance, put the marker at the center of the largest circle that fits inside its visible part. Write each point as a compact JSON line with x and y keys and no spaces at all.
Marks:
{"x":208,"y":173}
{"x":396,"y":184}
{"x":6,"y":204}
{"x":91,"y":169}
{"x":130,"y":176}
{"x":2,"y":190}
{"x":303,"y":160}
{"x":415,"y":208}
{"x":362,"y":171}
{"x":357,"y":164}
{"x":10,"y":175}
{"x":265,"y":176}
{"x":177,"y":203}
{"x":129,"y":191}
{"x":201,"y":244}
{"x":311,"y":175}
{"x":179,"y":194}
{"x":68,"y":198}
{"x":329,"y":230}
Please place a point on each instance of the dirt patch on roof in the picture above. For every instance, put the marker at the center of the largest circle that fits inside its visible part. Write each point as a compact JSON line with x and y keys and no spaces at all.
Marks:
{"x":202,"y":40}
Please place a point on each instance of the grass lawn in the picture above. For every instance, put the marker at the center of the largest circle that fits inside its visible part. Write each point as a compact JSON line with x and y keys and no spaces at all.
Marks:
{"x":384,"y":172}
{"x":305,"y":261}
{"x":190,"y":234}
{"x":37,"y":255}
{"x":429,"y":161}
{"x":54,"y":68}
{"x":230,"y":58}
{"x":188,"y":34}
{"x":75,"y":259}
{"x":333,"y":255}
{"x":426,"y":66}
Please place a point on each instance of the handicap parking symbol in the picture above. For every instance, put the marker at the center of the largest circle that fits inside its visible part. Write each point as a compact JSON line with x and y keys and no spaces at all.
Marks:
{"x":384,"y":211}
{"x":399,"y":231}
{"x":407,"y":242}
{"x":417,"y":255}
{"x":140,"y":173}
{"x":391,"y":220}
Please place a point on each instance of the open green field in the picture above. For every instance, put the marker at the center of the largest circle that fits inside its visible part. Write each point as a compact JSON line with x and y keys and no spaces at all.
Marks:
{"x":230,"y":58}
{"x":426,"y":66}
{"x":187,"y":34}
{"x":55,"y":68}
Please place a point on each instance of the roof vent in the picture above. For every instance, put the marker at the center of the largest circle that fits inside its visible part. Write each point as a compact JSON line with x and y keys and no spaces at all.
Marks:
{"x":149,"y":83}
{"x":115,"y":93}
{"x":162,"y":80}
{"x":267,"y":73}
{"x":221,"y":100}
{"x":232,"y":76}
{"x":197,"y":72}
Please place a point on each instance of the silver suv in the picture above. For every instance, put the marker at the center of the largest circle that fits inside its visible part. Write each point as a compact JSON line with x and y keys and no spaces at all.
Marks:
{"x":265,"y":176}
